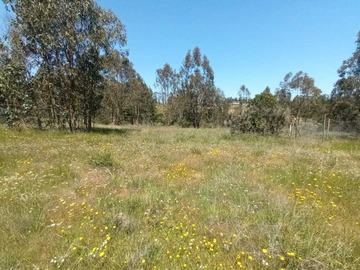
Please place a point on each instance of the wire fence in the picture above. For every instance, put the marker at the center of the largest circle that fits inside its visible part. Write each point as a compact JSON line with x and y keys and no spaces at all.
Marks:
{"x":326,"y":129}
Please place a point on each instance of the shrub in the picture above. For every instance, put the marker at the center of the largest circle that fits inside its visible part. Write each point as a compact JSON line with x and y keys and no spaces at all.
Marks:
{"x":263,"y":115}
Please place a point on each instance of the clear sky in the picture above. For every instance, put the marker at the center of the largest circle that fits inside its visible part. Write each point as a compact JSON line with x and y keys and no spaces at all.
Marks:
{"x":251,"y":42}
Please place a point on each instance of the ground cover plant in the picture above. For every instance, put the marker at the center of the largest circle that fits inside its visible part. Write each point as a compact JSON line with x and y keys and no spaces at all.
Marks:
{"x":171,"y":198}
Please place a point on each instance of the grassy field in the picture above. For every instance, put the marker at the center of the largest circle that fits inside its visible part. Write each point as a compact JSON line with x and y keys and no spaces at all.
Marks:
{"x":171,"y":198}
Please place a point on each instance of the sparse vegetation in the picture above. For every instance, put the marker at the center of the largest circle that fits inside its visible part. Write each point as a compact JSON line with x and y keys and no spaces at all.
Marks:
{"x":170,"y":198}
{"x":156,"y":197}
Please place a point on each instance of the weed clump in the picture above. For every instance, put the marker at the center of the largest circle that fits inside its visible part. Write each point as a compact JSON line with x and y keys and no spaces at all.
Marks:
{"x":102,"y":160}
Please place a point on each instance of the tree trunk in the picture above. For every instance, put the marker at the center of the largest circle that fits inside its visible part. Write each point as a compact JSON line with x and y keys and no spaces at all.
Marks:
{"x":89,"y":123}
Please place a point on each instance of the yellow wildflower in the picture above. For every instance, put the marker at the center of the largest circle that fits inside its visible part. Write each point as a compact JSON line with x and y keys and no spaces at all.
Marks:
{"x":291,"y":254}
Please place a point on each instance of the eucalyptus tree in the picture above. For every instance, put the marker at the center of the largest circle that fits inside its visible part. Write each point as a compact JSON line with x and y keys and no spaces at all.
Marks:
{"x":197,"y":88}
{"x":346,"y":93}
{"x":167,"y":81}
{"x":119,"y":70}
{"x":190,"y":95}
{"x":127,"y":99}
{"x":283,"y":94}
{"x":66,"y":44}
{"x":140,"y":108}
{"x":15,"y":97}
{"x":244,"y":94}
{"x":304,"y":90}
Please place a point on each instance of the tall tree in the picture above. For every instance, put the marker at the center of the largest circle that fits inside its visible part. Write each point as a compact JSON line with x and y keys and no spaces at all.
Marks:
{"x":346,"y":93}
{"x":267,"y":90}
{"x":167,"y":81}
{"x":244,"y":94}
{"x":283,"y":94}
{"x":197,"y":87}
{"x":65,"y":43}
{"x":194,"y":99}
{"x":15,"y":95}
{"x":303,"y":86}
{"x":127,"y":99}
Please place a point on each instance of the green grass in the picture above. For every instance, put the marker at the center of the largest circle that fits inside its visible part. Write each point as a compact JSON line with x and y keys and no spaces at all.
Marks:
{"x":171,"y":198}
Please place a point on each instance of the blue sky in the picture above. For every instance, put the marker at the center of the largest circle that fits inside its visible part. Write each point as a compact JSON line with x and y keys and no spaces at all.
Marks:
{"x":249,"y":42}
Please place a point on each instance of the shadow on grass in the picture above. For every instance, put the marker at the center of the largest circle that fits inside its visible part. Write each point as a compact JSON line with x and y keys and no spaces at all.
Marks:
{"x":114,"y":131}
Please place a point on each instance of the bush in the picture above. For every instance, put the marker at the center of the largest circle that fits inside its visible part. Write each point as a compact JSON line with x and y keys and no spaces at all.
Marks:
{"x":263,"y":116}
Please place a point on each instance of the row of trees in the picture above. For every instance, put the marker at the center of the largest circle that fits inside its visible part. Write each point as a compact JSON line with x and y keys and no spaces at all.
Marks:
{"x":189,"y":97}
{"x":298,"y":98}
{"x":63,"y":63}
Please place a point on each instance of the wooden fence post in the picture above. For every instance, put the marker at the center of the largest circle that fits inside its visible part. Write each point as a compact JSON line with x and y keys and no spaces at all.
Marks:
{"x":324,"y":128}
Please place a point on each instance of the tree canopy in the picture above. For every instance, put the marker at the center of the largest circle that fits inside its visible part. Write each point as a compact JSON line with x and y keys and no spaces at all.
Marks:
{"x":64,"y":63}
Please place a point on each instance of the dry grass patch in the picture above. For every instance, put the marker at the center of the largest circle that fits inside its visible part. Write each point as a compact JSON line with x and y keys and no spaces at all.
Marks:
{"x":171,"y":198}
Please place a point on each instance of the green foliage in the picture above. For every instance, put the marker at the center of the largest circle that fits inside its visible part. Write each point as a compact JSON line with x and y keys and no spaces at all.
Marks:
{"x":15,"y":100}
{"x":305,"y":103}
{"x":127,"y":99}
{"x":244,"y":94}
{"x":346,"y":93}
{"x":167,"y":80}
{"x":63,"y":64}
{"x":130,"y":102}
{"x":263,"y":116}
{"x":191,"y":96}
{"x":66,"y":45}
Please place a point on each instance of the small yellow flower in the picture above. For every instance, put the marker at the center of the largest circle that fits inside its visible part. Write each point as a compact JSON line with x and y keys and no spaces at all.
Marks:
{"x":102,"y":253}
{"x":264,"y":250}
{"x":74,"y":248}
{"x":291,"y":254}
{"x":250,"y":257}
{"x":282,"y":258}
{"x":143,"y":261}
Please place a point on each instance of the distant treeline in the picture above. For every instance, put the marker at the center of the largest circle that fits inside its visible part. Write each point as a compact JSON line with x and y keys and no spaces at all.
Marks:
{"x":63,"y":64}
